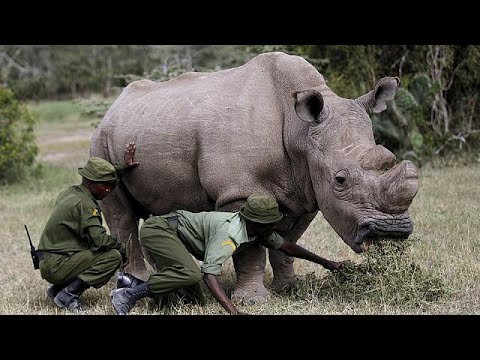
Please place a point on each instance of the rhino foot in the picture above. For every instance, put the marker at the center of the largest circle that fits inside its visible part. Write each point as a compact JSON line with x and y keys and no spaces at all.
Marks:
{"x":282,"y":285}
{"x":251,"y":295}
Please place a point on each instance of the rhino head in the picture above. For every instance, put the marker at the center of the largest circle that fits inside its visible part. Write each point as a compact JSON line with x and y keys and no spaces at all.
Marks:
{"x":360,"y":188}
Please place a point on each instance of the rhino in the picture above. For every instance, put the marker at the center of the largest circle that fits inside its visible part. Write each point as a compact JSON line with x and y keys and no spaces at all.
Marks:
{"x":206,"y":141}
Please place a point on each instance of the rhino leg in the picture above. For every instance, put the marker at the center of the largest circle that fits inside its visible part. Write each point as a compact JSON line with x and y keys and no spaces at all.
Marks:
{"x":282,"y":265}
{"x":250,"y":269}
{"x":123,"y":224}
{"x":283,"y":271}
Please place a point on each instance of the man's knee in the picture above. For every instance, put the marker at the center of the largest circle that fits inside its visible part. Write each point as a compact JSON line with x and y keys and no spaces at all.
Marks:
{"x":115,"y":258}
{"x":192,"y":276}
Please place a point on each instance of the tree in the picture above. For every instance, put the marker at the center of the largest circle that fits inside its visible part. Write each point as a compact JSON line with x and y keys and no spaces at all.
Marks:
{"x":17,"y":139}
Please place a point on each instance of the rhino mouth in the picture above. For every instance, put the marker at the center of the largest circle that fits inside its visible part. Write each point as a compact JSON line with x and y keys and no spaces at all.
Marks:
{"x":372,"y":231}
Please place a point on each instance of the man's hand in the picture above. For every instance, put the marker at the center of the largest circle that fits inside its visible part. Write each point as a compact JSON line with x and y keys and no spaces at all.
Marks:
{"x":129,"y":155}
{"x":335,"y":265}
{"x":218,"y":293}
{"x":294,"y":250}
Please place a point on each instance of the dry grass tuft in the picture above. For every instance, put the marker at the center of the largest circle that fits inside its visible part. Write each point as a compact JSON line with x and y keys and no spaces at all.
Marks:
{"x":385,"y":275}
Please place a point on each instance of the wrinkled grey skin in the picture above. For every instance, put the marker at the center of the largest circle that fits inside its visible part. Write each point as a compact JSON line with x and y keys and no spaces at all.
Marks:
{"x":206,"y":141}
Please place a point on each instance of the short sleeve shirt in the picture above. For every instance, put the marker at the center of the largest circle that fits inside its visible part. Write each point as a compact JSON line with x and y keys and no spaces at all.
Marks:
{"x":215,"y":236}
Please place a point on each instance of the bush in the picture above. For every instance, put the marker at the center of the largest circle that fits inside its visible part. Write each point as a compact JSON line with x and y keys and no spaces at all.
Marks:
{"x":17,"y":138}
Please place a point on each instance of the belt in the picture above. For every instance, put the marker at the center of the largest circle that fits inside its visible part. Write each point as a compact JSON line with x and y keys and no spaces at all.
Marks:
{"x":172,"y":221}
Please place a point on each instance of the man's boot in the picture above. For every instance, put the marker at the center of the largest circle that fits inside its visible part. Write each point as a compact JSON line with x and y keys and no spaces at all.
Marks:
{"x":125,"y":280}
{"x":53,"y":290}
{"x":124,"y":299}
{"x":69,"y":296}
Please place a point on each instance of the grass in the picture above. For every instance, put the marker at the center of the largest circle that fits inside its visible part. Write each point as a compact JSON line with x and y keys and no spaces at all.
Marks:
{"x":436,"y":272}
{"x":385,"y":277}
{"x":54,"y":112}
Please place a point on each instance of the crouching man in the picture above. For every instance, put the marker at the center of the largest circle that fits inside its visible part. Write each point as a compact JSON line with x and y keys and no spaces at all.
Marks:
{"x":212,"y":237}
{"x":76,"y":251}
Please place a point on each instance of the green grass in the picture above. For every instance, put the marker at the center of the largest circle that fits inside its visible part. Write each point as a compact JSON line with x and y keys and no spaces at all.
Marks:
{"x":437,"y":272}
{"x":53,"y":112}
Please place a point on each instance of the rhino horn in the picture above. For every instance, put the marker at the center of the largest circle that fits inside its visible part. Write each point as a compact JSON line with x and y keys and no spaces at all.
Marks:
{"x":384,"y":91}
{"x":309,"y":105}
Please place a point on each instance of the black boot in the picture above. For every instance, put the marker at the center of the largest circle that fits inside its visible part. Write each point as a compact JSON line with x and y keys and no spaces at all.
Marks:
{"x":125,"y":280}
{"x":124,"y":299}
{"x":69,"y":296}
{"x":53,"y":290}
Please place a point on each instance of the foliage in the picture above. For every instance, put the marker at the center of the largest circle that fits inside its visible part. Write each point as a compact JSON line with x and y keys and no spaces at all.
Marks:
{"x":400,"y":127}
{"x":17,"y":140}
{"x":95,"y":107}
{"x":442,"y":79}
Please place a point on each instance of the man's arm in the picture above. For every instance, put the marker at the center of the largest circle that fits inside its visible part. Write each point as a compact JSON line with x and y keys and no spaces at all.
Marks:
{"x":218,"y":293}
{"x":294,"y":250}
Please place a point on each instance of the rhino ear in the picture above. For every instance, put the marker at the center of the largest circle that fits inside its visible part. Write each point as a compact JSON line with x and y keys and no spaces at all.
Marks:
{"x":384,"y":91}
{"x":309,"y":105}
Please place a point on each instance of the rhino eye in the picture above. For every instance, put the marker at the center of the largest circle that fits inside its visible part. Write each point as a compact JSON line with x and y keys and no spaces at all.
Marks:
{"x":341,"y":179}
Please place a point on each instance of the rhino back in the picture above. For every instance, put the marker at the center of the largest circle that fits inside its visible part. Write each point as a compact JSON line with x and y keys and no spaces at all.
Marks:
{"x":207,"y":139}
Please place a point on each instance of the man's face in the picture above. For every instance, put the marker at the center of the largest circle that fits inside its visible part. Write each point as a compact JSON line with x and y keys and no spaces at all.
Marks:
{"x":100,"y":190}
{"x":262,"y":230}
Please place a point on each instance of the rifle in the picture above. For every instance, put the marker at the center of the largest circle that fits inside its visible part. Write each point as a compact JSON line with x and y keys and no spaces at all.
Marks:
{"x":33,"y":252}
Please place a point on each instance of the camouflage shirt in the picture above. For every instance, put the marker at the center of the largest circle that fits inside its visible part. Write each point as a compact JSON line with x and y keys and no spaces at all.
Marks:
{"x":215,"y":236}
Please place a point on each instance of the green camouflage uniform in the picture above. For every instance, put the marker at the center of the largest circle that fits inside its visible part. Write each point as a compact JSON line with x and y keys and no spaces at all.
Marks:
{"x":212,"y":237}
{"x":74,"y":242}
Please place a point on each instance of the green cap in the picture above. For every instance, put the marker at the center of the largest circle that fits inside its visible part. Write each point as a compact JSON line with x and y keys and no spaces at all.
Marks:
{"x":98,"y":169}
{"x":261,"y":208}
